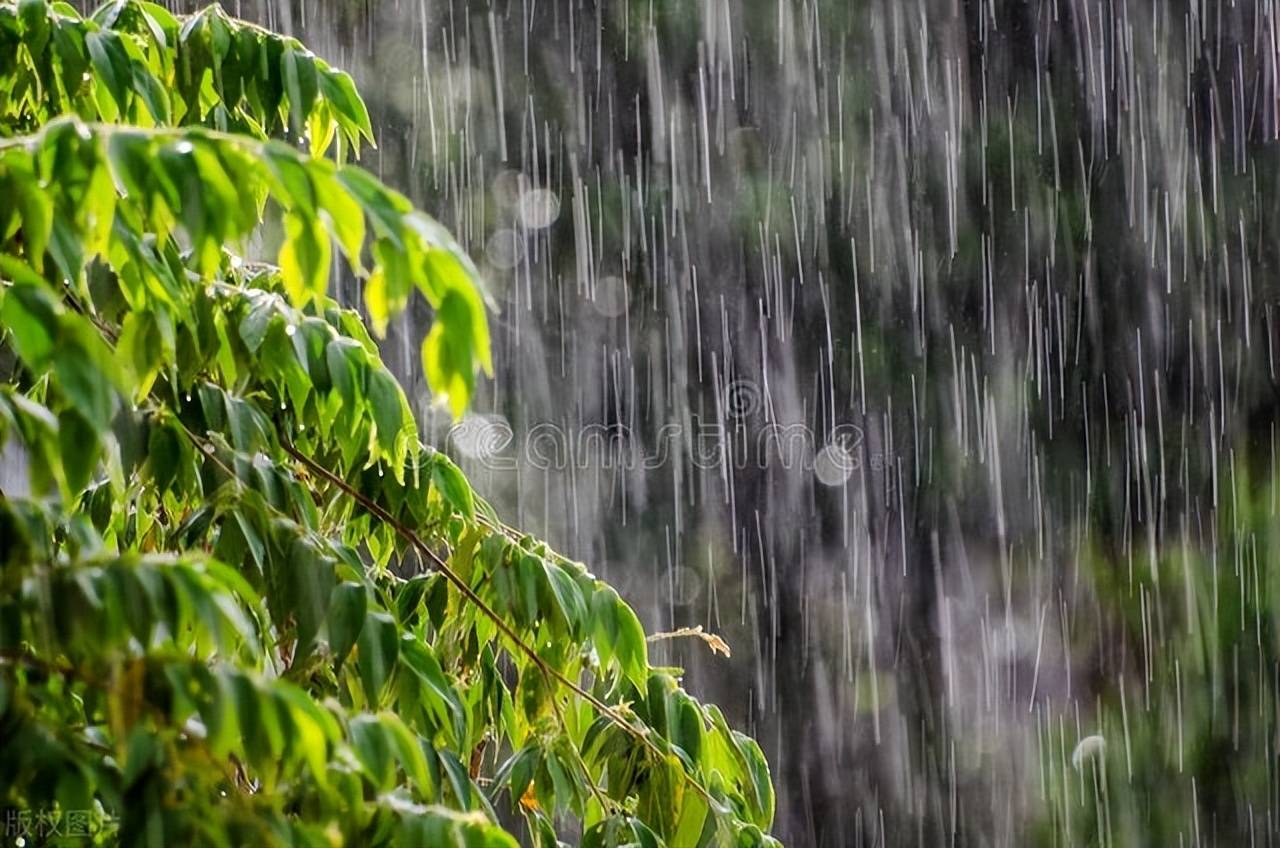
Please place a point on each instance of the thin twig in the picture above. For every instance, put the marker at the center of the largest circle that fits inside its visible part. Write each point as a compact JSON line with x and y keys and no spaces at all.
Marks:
{"x":452,"y":576}
{"x":714,"y":642}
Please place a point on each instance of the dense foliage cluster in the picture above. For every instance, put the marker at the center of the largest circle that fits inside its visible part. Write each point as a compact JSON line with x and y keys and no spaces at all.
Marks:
{"x":245,"y":604}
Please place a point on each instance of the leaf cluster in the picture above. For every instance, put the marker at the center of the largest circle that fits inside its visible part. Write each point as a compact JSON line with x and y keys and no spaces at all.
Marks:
{"x":245,"y":604}
{"x":134,"y":62}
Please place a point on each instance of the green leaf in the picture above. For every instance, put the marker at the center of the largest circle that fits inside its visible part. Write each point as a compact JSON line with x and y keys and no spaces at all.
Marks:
{"x":30,"y":315}
{"x":439,"y":697}
{"x":164,"y":453}
{"x":373,"y":745}
{"x":387,"y":404}
{"x":384,"y":207}
{"x":408,"y":749}
{"x":522,"y":768}
{"x":301,"y":85}
{"x":35,"y":21}
{"x":693,"y":818}
{"x":304,"y":258}
{"x":688,"y":726}
{"x":293,"y":182}
{"x":310,"y":583}
{"x":528,"y":577}
{"x":259,"y":721}
{"x":760,"y":779}
{"x":453,"y":486}
{"x":143,"y":754}
{"x":345,"y":359}
{"x":111,"y":63}
{"x":631,"y":648}
{"x":458,"y":778}
{"x":340,"y":91}
{"x":249,"y":429}
{"x":85,"y":373}
{"x":221,"y":715}
{"x":130,"y":156}
{"x":377,"y":299}
{"x":313,"y":730}
{"x":378,"y":646}
{"x":346,"y":218}
{"x":254,"y":326}
{"x":604,"y":623}
{"x":450,"y":351}
{"x":346,"y":618}
{"x":79,"y":443}
{"x":309,"y":342}
{"x":141,"y":349}
{"x":152,"y":93}
{"x":68,"y":247}
{"x":569,"y":601}
{"x":36,"y":209}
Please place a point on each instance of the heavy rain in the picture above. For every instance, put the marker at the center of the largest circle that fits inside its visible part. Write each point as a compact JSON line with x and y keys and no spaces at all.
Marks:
{"x":920,"y":352}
